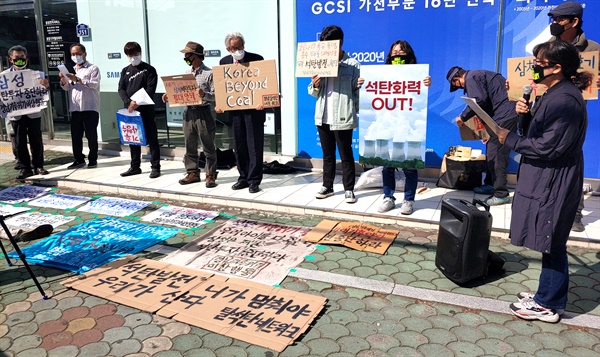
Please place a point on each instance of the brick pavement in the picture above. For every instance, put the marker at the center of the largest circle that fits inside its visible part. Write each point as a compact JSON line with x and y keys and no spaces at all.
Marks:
{"x":356,"y":321}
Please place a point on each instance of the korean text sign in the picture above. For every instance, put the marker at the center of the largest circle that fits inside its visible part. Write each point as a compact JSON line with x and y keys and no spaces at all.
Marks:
{"x":319,"y":57}
{"x":21,"y":93}
{"x":182,"y":90}
{"x":393,"y":115}
{"x":131,"y":128}
{"x":246,"y":85}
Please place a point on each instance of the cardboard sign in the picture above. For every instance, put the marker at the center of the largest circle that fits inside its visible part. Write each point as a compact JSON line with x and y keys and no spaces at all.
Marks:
{"x":246,"y":85}
{"x":520,"y":75}
{"x":258,"y":251}
{"x":473,"y":129}
{"x":481,"y":114}
{"x":182,"y":90}
{"x":22,"y":193}
{"x":355,"y":235}
{"x":131,"y":128}
{"x":180,"y":216}
{"x":319,"y":57}
{"x":114,"y":206}
{"x":393,"y":115}
{"x":21,"y":93}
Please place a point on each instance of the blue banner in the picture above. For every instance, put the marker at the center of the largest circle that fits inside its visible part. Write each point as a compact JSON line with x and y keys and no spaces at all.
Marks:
{"x":94,"y":243}
{"x":131,"y":128}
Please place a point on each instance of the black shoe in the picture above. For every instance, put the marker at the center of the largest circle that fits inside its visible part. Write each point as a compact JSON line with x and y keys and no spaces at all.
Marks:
{"x":132,"y":171}
{"x":24,"y":173}
{"x":254,"y":189}
{"x":92,"y":165}
{"x":39,"y":232}
{"x":240,"y":185}
{"x":578,"y":225}
{"x":40,"y":171}
{"x":76,"y":164}
{"x":155,"y":173}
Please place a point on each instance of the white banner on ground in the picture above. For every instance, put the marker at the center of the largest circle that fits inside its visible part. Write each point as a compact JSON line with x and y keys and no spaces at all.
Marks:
{"x":114,"y":206}
{"x":31,"y":220}
{"x":7,"y":210}
{"x":259,"y":251}
{"x":59,"y":201}
{"x":180,"y":216}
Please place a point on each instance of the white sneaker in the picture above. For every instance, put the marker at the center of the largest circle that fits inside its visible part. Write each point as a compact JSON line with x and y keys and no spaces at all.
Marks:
{"x":387,"y":205}
{"x":350,"y":197}
{"x":524,"y":296}
{"x":407,"y":207}
{"x":530,"y":310}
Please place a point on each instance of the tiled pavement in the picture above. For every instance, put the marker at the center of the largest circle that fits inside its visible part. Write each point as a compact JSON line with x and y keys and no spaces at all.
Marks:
{"x":396,"y":304}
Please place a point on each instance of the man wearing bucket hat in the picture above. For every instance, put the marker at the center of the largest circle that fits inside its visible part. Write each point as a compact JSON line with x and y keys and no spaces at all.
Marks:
{"x":198,"y":121}
{"x":567,"y":26}
{"x":489,"y":90}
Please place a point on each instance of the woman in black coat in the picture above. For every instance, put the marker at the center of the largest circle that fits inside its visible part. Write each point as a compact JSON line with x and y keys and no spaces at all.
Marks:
{"x":550,"y":176}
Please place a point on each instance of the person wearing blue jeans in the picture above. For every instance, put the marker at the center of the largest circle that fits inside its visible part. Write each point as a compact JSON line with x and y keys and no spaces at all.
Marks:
{"x":400,"y":52}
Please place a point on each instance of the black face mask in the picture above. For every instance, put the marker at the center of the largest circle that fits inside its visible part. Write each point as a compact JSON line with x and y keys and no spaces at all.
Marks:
{"x":538,"y":73}
{"x":188,"y":60}
{"x":400,"y":59}
{"x":556,"y":29}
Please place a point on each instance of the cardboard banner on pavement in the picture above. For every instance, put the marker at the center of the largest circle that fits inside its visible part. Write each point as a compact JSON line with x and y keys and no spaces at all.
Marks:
{"x":21,"y":93}
{"x":355,"y":235}
{"x":246,"y":85}
{"x":318,"y":57}
{"x":182,"y":90}
{"x":258,"y":251}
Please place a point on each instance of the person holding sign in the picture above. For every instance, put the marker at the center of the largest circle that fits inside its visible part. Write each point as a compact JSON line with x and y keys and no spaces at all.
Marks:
{"x":27,"y":126}
{"x":198,"y":121}
{"x":84,"y":104}
{"x":335,"y":116}
{"x":139,"y":75}
{"x":550,"y":176}
{"x":400,"y":52}
{"x":248,"y":124}
{"x":489,"y":91}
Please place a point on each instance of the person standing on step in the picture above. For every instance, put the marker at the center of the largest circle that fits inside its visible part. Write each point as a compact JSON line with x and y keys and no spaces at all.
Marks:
{"x":198,"y":121}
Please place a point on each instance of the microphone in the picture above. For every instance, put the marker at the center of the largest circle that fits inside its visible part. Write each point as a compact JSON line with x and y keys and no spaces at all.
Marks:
{"x":522,"y":121}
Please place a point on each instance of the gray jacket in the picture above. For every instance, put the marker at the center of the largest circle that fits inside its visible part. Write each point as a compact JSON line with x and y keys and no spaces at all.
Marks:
{"x":345,"y":96}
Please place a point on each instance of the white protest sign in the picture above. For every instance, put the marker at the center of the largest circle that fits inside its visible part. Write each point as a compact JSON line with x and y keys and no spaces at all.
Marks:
{"x":259,"y":251}
{"x":180,"y":216}
{"x":393,"y":115}
{"x":319,"y":57}
{"x":7,"y":210}
{"x":31,"y":220}
{"x":114,"y":206}
{"x":59,"y":201}
{"x":21,"y":93}
{"x":22,"y":193}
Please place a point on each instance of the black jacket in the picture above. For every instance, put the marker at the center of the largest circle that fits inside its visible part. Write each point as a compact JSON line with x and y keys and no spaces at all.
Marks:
{"x":248,"y":57}
{"x":135,"y":77}
{"x":489,"y":90}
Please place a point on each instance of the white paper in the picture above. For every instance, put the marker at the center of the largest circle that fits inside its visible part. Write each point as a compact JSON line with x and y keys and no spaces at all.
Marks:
{"x":481,"y":114}
{"x":141,"y":97}
{"x":63,"y":70}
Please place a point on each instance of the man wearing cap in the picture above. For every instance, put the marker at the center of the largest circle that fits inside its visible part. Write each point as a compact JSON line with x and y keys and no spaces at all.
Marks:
{"x":567,"y":26}
{"x":489,"y":90}
{"x":198,"y":121}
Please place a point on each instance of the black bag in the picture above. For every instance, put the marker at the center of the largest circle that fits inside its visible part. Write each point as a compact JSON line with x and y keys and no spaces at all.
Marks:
{"x":461,"y":175}
{"x":225,"y":159}
{"x":463,"y":240}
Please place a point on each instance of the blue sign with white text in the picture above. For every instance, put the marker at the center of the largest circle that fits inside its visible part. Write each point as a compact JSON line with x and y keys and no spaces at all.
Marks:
{"x":83,"y":30}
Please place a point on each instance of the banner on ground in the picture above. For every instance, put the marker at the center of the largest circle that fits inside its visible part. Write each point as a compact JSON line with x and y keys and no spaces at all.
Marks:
{"x":355,"y":235}
{"x":180,"y":216}
{"x":94,"y":243}
{"x":22,"y":193}
{"x":59,"y":201}
{"x":114,"y":206}
{"x":8,"y":210}
{"x":317,"y":57}
{"x":182,"y":90}
{"x":255,"y":313}
{"x":131,"y":128}
{"x":31,"y":220}
{"x":246,"y":85}
{"x":259,"y":251}
{"x":393,"y":115}
{"x":21,"y":93}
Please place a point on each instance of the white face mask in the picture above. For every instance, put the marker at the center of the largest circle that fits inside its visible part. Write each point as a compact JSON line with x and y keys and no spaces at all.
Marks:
{"x":135,"y":60}
{"x":77,"y":59}
{"x":238,"y":55}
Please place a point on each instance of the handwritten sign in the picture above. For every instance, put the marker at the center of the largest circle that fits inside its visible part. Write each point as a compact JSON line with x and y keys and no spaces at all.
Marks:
{"x":180,"y":216}
{"x":393,"y":115}
{"x":22,"y":193}
{"x":182,"y":90}
{"x":59,"y":201}
{"x":95,"y":243}
{"x":131,"y":128}
{"x":520,"y":74}
{"x":259,"y":251}
{"x":319,"y":57}
{"x":21,"y":93}
{"x":31,"y":220}
{"x":355,"y":235}
{"x":114,"y":206}
{"x":244,"y":85}
{"x":8,"y":210}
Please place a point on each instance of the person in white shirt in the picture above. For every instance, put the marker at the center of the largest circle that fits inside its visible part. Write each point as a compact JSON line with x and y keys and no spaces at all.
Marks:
{"x":84,"y":105}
